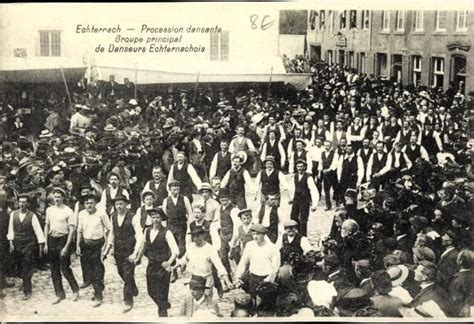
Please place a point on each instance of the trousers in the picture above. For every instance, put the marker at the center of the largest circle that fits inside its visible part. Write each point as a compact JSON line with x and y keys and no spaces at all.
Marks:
{"x":158,"y":286}
{"x":91,"y":258}
{"x":126,"y":270}
{"x":60,"y":265}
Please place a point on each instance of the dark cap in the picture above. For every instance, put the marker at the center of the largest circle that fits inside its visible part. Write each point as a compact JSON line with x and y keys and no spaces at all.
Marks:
{"x":258,"y":228}
{"x":174,"y":183}
{"x":157,"y":211}
{"x":120,"y":198}
{"x":197,"y":282}
{"x":224,"y":193}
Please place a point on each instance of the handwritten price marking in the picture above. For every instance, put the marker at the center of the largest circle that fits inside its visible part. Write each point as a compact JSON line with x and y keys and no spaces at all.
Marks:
{"x":264,"y":25}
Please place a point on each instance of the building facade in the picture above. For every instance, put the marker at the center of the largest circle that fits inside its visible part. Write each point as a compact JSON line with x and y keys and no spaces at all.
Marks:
{"x":422,"y":47}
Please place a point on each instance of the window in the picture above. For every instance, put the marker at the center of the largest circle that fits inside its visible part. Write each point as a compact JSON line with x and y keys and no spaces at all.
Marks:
{"x":50,"y":43}
{"x":382,"y":71}
{"x":441,"y":20}
{"x":418,"y":21}
{"x":342,"y":58}
{"x":329,"y":58}
{"x":362,"y":60}
{"x":461,"y":20}
{"x":220,"y":46}
{"x":365,"y":19}
{"x":438,"y":71}
{"x":351,"y":62}
{"x":322,"y":19}
{"x":416,"y":69}
{"x":331,"y":20}
{"x":342,"y":20}
{"x":397,"y":61}
{"x":386,"y":20}
{"x":353,"y":19}
{"x":400,"y":21}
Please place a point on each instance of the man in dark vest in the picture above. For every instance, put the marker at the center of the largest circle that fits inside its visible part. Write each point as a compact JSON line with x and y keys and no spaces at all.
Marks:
{"x":274,"y":148}
{"x":269,"y":179}
{"x":300,"y":154}
{"x":229,"y":220}
{"x":125,"y":236}
{"x":327,"y":170}
{"x":350,"y":170}
{"x":375,"y":166}
{"x":397,"y":162}
{"x":304,"y":196}
{"x":242,"y":234}
{"x":356,"y":133}
{"x":185,"y":174}
{"x":364,"y":153}
{"x":269,"y":216}
{"x":221,"y":163}
{"x":415,"y":151}
{"x":157,"y":185}
{"x":159,"y":246}
{"x":109,"y":194}
{"x":404,"y":134}
{"x":236,"y":179}
{"x":148,"y":199}
{"x":178,"y":211}
{"x":292,"y":243}
{"x":430,"y":140}
{"x":25,"y":236}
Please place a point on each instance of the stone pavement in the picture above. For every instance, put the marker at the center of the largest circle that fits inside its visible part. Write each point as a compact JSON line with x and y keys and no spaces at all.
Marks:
{"x":39,"y":307}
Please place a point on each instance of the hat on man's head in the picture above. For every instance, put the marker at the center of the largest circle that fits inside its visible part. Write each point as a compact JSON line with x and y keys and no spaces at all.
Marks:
{"x":174,"y":183}
{"x":205,"y":186}
{"x":224,"y":193}
{"x":351,"y":193}
{"x":147,"y":193}
{"x":197,"y":282}
{"x":45,"y":133}
{"x":258,"y":228}
{"x":120,"y":198}
{"x":157,"y":212}
{"x":290,"y":223}
{"x":424,"y":253}
{"x":113,"y":174}
{"x":60,"y":190}
{"x":301,"y":161}
{"x":419,"y":221}
{"x":245,"y":211}
{"x":398,"y":274}
{"x":269,"y":158}
{"x":302,"y":141}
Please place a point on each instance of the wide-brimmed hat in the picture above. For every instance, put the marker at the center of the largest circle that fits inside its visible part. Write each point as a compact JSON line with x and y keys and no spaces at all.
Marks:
{"x":61,"y":190}
{"x":45,"y":133}
{"x":398,"y":274}
{"x":224,"y":193}
{"x":269,"y":158}
{"x":244,"y":211}
{"x":146,"y":193}
{"x":205,"y":186}
{"x":109,"y":128}
{"x":242,"y":155}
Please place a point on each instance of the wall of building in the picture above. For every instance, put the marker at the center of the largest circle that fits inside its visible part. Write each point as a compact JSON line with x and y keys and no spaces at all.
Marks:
{"x":291,"y":45}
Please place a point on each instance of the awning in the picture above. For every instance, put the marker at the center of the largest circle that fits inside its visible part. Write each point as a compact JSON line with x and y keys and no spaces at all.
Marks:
{"x":271,"y":69}
{"x":40,"y":69}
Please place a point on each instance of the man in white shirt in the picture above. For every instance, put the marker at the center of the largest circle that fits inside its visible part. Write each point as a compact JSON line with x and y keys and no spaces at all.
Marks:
{"x":211,"y":205}
{"x":274,"y":148}
{"x":262,"y":259}
{"x":201,"y":256}
{"x":80,"y":121}
{"x":185,"y":173}
{"x":236,"y":179}
{"x":270,"y":216}
{"x":25,"y":236}
{"x":350,"y":170}
{"x":59,"y":231}
{"x":92,"y":233}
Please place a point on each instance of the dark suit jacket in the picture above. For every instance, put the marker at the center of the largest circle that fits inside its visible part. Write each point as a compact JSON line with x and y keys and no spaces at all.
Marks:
{"x":447,"y":267}
{"x":461,"y":287}
{"x":438,"y":295}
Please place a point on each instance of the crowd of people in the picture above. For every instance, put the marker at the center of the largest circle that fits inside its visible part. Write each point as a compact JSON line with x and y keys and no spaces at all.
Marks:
{"x":174,"y":176}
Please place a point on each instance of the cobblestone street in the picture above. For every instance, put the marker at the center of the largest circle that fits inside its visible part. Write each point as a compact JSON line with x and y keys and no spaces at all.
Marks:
{"x":39,"y":307}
